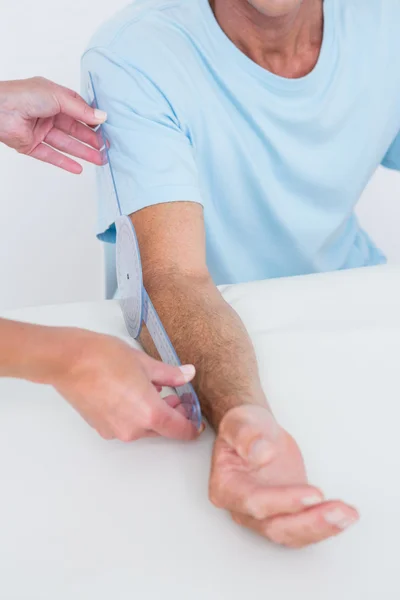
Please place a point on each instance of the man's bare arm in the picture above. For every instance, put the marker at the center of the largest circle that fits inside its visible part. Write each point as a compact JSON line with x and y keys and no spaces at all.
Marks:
{"x":257,"y":470}
{"x":204,"y":329}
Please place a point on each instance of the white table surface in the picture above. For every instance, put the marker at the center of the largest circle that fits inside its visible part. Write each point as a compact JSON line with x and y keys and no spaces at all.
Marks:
{"x":86,"y":519}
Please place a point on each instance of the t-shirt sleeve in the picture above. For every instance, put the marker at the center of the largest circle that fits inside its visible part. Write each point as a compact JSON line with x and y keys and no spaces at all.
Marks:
{"x":150,"y":152}
{"x":392,"y":157}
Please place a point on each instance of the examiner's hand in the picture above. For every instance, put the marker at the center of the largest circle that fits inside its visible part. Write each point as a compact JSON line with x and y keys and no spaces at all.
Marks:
{"x":258,"y":475}
{"x":42,"y":119}
{"x":116,"y":388}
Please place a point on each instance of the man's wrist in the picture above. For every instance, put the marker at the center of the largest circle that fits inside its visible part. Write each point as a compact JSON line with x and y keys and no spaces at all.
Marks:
{"x":221,"y":407}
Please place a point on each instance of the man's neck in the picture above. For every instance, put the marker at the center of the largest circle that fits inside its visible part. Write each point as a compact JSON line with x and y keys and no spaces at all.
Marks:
{"x":288,"y":46}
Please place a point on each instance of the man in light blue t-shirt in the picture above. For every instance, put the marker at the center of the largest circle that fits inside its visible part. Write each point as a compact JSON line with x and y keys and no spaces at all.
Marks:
{"x":243,"y":133}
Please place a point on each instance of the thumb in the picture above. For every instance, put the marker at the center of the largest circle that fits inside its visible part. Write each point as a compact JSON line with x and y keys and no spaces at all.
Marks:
{"x":168,"y":422}
{"x":162,"y":374}
{"x":251,"y":431}
{"x":73,"y":105}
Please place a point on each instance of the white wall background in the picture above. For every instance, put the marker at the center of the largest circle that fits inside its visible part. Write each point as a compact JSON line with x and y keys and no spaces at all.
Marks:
{"x":48,"y":251}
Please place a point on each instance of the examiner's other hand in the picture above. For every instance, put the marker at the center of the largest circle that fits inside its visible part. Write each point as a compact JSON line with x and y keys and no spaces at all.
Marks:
{"x":43,"y":120}
{"x":116,"y":388}
{"x":258,"y":475}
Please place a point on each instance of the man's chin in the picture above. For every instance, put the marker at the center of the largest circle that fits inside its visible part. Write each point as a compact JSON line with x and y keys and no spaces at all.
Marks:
{"x":275,"y":8}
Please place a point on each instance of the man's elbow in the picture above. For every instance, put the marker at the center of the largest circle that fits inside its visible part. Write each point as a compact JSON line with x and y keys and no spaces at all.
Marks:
{"x":175,"y":280}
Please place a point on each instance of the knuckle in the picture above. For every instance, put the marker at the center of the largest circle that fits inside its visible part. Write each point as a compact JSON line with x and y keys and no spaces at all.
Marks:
{"x":281,"y":536}
{"x":72,"y":129}
{"x":268,"y":531}
{"x":254,"y":508}
{"x":86,"y":109}
{"x":125,"y":434}
{"x":41,"y":83}
{"x":148,"y":416}
{"x":159,"y":420}
{"x":38,"y":79}
{"x":23,"y":149}
{"x":236,"y":518}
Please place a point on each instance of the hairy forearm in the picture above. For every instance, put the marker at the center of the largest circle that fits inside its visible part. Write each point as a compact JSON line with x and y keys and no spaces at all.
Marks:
{"x":32,"y":352}
{"x":208,"y":333}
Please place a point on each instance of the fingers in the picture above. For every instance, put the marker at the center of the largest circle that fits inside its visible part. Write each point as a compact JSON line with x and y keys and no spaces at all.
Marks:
{"x":175,"y":402}
{"x":79,"y":131}
{"x":258,"y":474}
{"x":307,"y":527}
{"x":252,"y":432}
{"x":46,"y":154}
{"x":172,"y":401}
{"x":74,"y":106}
{"x":61,"y":141}
{"x":152,"y":417}
{"x":166,"y":375}
{"x":242,"y":495}
{"x":167,"y":421}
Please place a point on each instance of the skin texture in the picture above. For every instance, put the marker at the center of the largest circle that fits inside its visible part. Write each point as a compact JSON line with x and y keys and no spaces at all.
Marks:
{"x":283,"y":37}
{"x":114,"y":387}
{"x":278,"y":9}
{"x":44,"y":120}
{"x":257,"y":470}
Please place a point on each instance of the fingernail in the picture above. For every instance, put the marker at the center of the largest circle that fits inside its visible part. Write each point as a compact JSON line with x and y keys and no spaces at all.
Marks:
{"x":100,"y":115}
{"x":202,"y":427}
{"x":347,"y":523}
{"x":188,"y":372}
{"x":260,"y":451}
{"x":339,"y":519}
{"x":311,"y":500}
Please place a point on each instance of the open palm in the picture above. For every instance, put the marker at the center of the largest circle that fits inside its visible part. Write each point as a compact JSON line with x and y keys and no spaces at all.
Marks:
{"x":258,"y":474}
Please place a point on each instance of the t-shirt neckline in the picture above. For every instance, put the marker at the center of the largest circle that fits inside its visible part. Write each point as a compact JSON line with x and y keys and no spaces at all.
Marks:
{"x":233,"y":53}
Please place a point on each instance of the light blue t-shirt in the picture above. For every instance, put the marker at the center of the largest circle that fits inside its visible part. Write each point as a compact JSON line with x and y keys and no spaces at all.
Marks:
{"x":278,"y":164}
